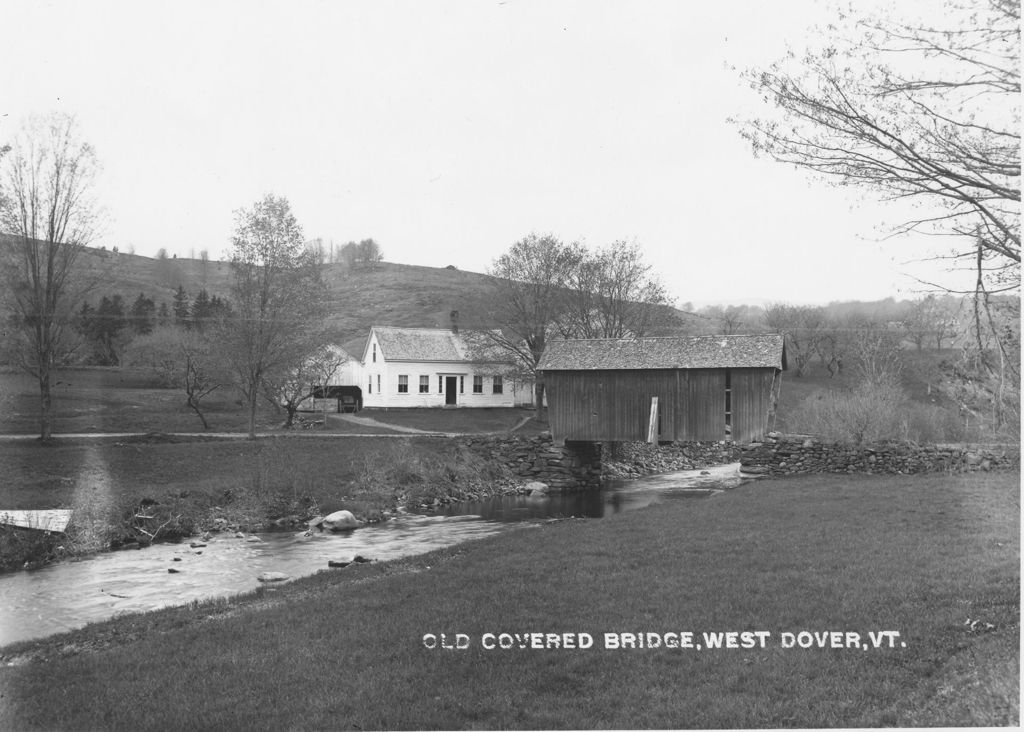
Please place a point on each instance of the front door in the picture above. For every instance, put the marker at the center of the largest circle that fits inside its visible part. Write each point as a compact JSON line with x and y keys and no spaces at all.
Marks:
{"x":450,"y":385}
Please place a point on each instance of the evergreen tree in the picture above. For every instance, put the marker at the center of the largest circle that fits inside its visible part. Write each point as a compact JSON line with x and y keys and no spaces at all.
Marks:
{"x":141,"y":315}
{"x":181,"y":306}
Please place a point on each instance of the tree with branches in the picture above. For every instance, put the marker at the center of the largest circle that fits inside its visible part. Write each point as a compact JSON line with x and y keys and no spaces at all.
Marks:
{"x":926,"y":112}
{"x":802,"y":326}
{"x":277,"y":298}
{"x":181,"y":357}
{"x":48,"y":211}
{"x":531,"y":278}
{"x":916,"y":110}
{"x":613,"y":293}
{"x":290,"y":388}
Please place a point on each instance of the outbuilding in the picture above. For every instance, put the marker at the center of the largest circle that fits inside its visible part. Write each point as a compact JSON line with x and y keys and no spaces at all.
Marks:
{"x":690,"y":388}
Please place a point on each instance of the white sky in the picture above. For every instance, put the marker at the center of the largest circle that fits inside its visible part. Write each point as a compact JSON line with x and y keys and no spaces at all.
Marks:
{"x":448,"y":130}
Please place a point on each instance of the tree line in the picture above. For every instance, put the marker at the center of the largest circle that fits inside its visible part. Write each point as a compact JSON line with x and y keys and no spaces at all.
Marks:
{"x":108,"y":327}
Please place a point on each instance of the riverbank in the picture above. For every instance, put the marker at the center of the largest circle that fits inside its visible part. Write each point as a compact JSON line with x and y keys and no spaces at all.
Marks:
{"x":933,"y":558}
{"x":129,"y":492}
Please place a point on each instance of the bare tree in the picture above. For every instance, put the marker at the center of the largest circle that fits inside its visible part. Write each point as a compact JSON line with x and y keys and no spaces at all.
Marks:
{"x":277,"y":297}
{"x":613,"y":293}
{"x":370,"y":253}
{"x":926,"y":320}
{"x":726,"y":320}
{"x":204,"y":266}
{"x":183,"y":358}
{"x":919,"y":111}
{"x":532,"y":276}
{"x":48,"y":209}
{"x":802,"y":326}
{"x":290,"y":388}
{"x":349,"y":254}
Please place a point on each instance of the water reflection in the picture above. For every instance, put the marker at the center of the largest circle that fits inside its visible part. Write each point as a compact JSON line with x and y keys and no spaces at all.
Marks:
{"x":615,"y":497}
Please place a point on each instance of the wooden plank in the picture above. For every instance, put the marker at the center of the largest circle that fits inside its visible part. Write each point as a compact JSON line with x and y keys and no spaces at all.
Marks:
{"x":52,"y":520}
{"x":652,"y":424}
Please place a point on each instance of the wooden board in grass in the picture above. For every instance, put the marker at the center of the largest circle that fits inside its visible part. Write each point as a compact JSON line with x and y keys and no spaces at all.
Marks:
{"x":45,"y":520}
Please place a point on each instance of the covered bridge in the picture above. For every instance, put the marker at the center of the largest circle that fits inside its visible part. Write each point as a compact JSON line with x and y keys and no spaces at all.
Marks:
{"x":706,"y":387}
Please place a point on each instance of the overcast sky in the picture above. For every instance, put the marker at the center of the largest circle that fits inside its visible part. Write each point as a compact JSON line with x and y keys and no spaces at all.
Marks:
{"x":448,"y":130}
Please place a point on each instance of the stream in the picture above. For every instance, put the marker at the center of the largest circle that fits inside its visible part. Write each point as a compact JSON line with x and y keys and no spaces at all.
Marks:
{"x":68,"y":595}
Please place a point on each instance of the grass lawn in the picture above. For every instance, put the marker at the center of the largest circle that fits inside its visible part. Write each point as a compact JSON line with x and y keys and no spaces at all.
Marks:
{"x":97,"y":400}
{"x":920,"y":555}
{"x":89,"y":470}
{"x":459,"y":420}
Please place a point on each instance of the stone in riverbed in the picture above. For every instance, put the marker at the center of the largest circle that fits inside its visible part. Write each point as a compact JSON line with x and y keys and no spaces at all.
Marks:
{"x":272,"y":577}
{"x":340,"y":521}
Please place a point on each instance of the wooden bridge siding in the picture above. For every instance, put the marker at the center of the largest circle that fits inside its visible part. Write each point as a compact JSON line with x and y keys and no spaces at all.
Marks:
{"x":705,"y":405}
{"x":609,"y":405}
{"x":751,"y":397}
{"x":599,"y":406}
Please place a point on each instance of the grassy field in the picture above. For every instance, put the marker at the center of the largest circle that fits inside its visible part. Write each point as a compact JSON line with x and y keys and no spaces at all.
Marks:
{"x":97,"y":400}
{"x":922,"y":555}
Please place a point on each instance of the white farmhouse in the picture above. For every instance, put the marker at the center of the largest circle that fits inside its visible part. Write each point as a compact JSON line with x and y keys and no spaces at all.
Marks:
{"x":434,"y":367}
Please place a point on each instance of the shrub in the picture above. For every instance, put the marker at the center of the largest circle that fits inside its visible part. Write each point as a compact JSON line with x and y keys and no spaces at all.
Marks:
{"x":447,"y":476}
{"x":28,"y":546}
{"x":873,"y":410}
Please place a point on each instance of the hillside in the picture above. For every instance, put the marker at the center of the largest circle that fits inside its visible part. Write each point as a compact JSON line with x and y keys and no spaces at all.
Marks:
{"x":401,"y":295}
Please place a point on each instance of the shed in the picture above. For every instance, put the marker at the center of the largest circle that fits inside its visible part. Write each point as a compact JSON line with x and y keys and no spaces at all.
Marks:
{"x":349,"y":398}
{"x":707,"y":387}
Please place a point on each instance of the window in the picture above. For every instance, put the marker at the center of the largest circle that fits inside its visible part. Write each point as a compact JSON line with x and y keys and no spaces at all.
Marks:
{"x":499,"y":386}
{"x":378,"y":383}
{"x":375,"y":353}
{"x":478,"y":384}
{"x":440,"y":385}
{"x":369,"y":386}
{"x":424,"y":384}
{"x":462,"y":384}
{"x":403,"y":384}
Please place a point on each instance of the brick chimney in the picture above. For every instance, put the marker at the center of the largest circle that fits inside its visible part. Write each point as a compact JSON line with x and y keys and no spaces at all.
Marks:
{"x":455,"y":321}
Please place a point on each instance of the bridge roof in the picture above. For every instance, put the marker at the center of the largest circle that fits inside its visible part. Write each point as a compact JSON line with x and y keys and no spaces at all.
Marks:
{"x":684,"y":352}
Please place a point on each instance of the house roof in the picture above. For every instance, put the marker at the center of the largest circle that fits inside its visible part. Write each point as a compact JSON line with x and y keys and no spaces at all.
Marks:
{"x":430,"y":344}
{"x":688,"y":352}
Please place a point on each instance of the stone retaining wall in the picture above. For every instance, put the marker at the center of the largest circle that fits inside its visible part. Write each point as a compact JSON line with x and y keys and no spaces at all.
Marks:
{"x":582,"y":465}
{"x":636,"y":459}
{"x":573,"y":467}
{"x":793,"y":454}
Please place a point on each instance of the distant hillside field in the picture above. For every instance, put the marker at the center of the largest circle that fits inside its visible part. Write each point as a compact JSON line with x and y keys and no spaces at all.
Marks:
{"x":401,"y":295}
